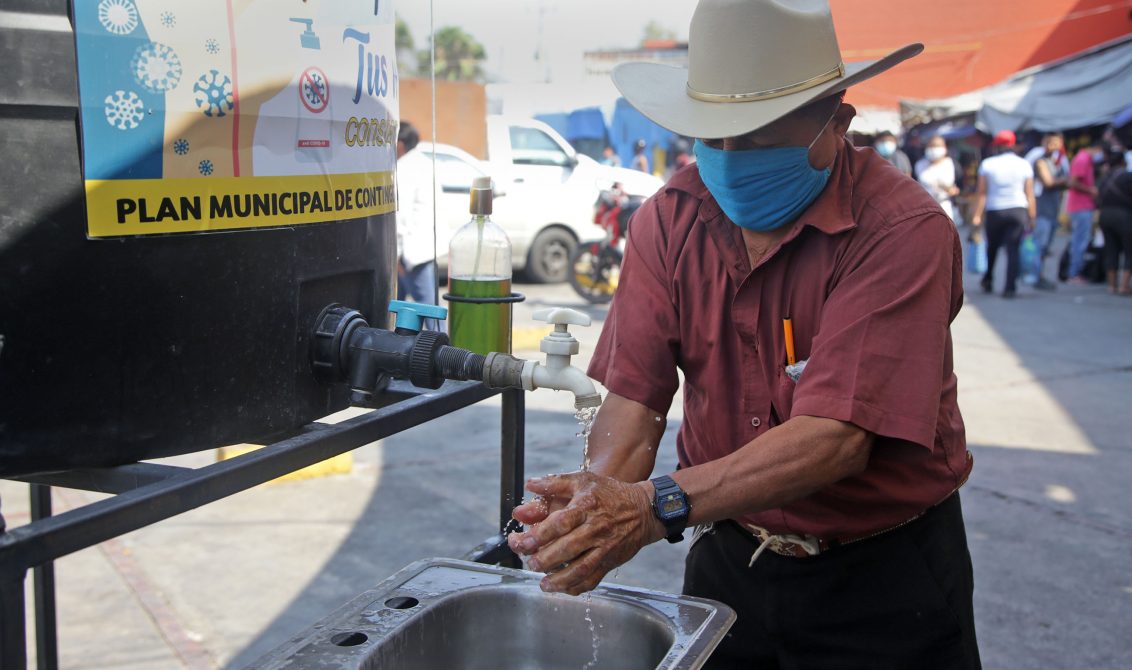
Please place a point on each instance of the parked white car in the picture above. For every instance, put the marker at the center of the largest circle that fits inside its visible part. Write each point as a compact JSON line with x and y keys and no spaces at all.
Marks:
{"x":527,"y":151}
{"x":544,"y":218}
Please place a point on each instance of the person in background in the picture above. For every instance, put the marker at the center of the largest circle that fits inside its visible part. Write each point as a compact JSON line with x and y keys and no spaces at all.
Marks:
{"x":681,"y":151}
{"x":885,"y":144}
{"x":1116,"y":209}
{"x":416,"y":246}
{"x":1115,"y":202}
{"x":640,"y":160}
{"x":1081,"y":204}
{"x":1006,"y":193}
{"x":609,"y":157}
{"x":936,"y":173}
{"x":1051,"y":169}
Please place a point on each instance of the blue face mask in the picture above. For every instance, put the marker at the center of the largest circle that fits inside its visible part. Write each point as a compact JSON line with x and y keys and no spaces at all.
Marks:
{"x":761,"y":189}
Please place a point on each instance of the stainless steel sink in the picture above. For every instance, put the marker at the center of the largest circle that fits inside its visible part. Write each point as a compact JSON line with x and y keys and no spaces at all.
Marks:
{"x":449,"y":614}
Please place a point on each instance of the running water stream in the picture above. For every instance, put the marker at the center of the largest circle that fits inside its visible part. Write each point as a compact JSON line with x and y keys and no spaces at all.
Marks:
{"x":585,"y":417}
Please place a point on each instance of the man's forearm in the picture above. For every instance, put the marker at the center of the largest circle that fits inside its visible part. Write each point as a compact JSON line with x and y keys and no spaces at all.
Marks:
{"x":787,"y":463}
{"x":624,"y":439}
{"x":1076,"y":184}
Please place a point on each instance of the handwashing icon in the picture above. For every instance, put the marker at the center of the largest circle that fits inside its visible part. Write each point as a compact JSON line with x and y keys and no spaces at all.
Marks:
{"x":309,"y":39}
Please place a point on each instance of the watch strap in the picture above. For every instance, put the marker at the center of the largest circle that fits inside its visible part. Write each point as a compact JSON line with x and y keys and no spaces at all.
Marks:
{"x":665,"y":489}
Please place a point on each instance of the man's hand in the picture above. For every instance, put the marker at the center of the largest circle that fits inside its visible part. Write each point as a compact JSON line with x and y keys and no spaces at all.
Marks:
{"x":604,"y":523}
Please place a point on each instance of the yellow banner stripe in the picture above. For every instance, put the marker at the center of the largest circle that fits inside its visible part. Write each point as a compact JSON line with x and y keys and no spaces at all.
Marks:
{"x":127,"y":207}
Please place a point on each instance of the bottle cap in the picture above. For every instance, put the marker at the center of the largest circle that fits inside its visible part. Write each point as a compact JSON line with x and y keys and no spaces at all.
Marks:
{"x":481,"y":196}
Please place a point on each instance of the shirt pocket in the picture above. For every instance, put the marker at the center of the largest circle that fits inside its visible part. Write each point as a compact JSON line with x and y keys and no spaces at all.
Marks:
{"x":781,"y":397}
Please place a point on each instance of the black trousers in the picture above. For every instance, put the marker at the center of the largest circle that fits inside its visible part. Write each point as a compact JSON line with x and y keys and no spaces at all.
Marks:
{"x":899,"y":600}
{"x":1116,"y":222}
{"x":1005,"y":228}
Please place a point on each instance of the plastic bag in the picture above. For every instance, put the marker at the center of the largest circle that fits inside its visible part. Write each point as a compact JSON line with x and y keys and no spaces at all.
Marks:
{"x":976,"y":255}
{"x":1028,"y":257}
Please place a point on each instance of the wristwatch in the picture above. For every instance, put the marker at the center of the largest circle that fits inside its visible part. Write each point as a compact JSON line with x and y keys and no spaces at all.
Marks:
{"x":670,"y":505}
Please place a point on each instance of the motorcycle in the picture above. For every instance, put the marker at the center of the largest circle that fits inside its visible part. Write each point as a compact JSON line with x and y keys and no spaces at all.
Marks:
{"x":595,"y":266}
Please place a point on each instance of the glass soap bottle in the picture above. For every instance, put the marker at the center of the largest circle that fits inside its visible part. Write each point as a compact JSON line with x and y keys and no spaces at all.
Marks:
{"x":479,"y":279}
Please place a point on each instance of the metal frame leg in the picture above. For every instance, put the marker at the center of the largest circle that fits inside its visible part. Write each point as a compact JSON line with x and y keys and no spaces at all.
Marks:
{"x":512,"y":468}
{"x":13,"y":645}
{"x":43,"y":585}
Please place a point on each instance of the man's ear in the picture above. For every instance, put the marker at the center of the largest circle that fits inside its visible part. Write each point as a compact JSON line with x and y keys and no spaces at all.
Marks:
{"x":843,"y":117}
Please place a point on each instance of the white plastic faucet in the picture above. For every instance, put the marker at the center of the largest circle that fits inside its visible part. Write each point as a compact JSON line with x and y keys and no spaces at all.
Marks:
{"x":559,"y":346}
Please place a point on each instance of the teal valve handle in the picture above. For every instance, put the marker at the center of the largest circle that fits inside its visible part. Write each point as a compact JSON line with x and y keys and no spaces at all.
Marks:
{"x":409,"y":314}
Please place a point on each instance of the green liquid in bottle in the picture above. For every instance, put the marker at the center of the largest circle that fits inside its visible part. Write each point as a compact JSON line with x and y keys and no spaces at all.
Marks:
{"x":480,"y":327}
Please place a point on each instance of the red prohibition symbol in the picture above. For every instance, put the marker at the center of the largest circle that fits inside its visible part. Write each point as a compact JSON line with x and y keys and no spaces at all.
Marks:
{"x":314,"y":90}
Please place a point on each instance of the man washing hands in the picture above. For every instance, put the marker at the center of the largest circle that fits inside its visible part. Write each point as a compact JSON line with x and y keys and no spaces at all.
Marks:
{"x":825,"y":503}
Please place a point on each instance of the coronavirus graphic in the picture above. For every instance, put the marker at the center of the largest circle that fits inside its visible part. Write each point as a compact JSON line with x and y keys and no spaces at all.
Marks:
{"x":212,"y":46}
{"x":206,"y":167}
{"x":124,"y":110}
{"x":214,"y":93}
{"x":118,"y":16}
{"x":181,"y":147}
{"x":168,"y":19}
{"x":156,"y":67}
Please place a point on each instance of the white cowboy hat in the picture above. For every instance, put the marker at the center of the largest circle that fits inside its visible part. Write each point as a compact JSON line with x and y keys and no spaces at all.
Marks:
{"x":750,"y":62}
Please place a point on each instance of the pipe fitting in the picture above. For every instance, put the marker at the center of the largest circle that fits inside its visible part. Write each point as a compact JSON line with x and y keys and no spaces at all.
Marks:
{"x":501,"y":371}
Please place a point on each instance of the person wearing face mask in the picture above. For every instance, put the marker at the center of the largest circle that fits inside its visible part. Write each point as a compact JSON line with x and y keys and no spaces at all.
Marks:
{"x":1005,"y":193}
{"x":885,"y":145}
{"x":805,"y":290}
{"x":1081,"y":206}
{"x":936,"y":173}
{"x":1051,"y":167}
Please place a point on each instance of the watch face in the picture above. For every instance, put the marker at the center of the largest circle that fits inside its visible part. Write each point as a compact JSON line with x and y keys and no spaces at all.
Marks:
{"x":671,"y":506}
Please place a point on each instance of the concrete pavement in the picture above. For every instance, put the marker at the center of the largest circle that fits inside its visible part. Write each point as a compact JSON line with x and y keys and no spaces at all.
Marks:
{"x":1045,"y":382}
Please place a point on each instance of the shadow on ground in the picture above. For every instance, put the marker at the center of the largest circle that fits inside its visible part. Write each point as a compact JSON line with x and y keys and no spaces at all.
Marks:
{"x":1048,"y":515}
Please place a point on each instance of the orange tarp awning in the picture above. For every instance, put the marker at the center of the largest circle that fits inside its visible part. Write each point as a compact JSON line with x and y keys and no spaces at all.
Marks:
{"x":968,"y":43}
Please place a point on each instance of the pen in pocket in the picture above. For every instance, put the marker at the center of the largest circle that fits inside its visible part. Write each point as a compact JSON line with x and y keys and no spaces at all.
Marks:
{"x":788,"y":332}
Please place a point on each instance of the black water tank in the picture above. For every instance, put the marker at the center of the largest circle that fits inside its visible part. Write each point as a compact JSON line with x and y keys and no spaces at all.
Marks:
{"x":124,"y":349}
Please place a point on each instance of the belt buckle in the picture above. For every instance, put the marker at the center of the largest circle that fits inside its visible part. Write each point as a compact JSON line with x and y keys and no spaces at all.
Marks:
{"x":787,"y":548}
{"x":784,"y":546}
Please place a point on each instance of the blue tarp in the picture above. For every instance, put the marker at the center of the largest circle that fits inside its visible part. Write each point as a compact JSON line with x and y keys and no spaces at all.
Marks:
{"x":585,"y":128}
{"x":628,"y":126}
{"x":560,"y":121}
{"x":587,"y":123}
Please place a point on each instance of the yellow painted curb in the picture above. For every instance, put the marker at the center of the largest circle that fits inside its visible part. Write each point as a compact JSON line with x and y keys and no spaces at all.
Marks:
{"x":527,"y":339}
{"x":342,"y":464}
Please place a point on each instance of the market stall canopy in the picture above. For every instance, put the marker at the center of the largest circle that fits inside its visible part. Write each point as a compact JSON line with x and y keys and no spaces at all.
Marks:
{"x":1084,"y":90}
{"x":969,"y":44}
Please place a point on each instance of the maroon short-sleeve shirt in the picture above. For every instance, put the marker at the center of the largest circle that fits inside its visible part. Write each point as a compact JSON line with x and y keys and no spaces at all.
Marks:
{"x":871,"y":277}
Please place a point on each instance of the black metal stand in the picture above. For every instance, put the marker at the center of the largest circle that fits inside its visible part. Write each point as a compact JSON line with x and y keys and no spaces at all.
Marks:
{"x":148,"y":493}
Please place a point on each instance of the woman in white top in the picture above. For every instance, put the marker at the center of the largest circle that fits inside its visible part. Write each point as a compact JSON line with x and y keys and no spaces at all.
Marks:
{"x":1006,"y":192}
{"x":936,"y":173}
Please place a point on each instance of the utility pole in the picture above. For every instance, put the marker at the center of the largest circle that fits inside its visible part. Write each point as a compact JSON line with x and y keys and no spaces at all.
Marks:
{"x":540,"y":48}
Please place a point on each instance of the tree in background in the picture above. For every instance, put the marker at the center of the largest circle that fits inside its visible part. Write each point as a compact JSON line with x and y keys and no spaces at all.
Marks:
{"x":406,"y":48}
{"x":459,"y":57}
{"x":655,"y":31}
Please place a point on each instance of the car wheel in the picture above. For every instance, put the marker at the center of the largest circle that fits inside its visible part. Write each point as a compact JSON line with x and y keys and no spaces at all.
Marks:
{"x":549,"y":257}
